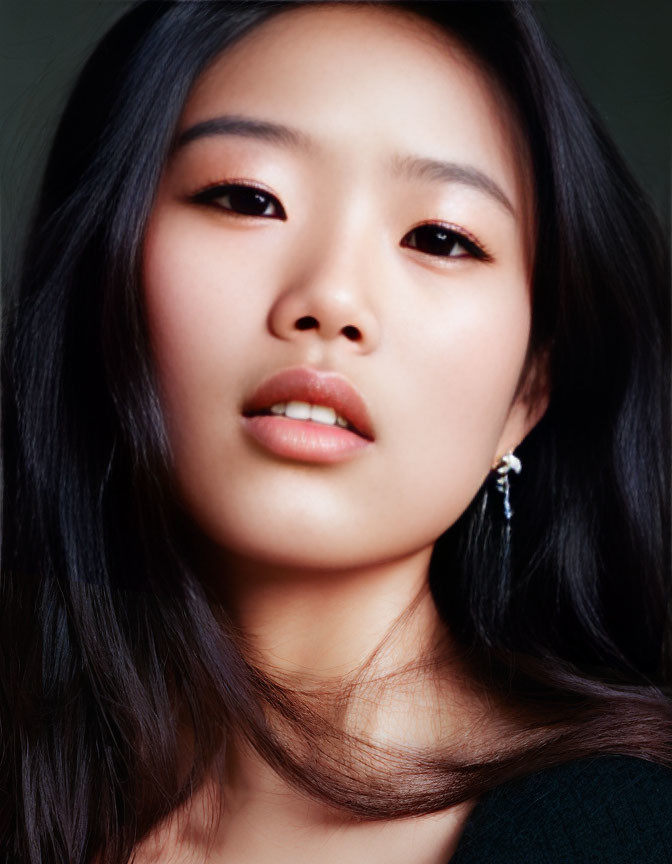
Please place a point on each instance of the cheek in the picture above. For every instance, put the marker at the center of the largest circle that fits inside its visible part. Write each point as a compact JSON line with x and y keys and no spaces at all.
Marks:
{"x":200,"y":315}
{"x":461,"y":374}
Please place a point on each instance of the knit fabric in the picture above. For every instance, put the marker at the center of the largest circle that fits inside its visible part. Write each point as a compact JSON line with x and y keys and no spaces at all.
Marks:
{"x":607,"y":809}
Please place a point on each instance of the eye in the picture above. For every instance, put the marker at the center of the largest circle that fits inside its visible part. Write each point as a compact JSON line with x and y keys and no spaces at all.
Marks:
{"x":242,"y":199}
{"x":445,"y":242}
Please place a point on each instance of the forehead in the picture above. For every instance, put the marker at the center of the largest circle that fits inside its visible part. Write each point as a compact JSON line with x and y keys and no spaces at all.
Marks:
{"x":363,"y":81}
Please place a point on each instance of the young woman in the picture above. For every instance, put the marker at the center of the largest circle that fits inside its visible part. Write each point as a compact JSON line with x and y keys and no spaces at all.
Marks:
{"x":336,"y":454}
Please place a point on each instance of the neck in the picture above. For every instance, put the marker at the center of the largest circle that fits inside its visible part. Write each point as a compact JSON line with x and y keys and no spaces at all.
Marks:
{"x":323,"y":624}
{"x":315,"y":627}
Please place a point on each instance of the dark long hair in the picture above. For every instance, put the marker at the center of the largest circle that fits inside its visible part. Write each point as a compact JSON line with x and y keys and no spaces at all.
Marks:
{"x":111,"y":645}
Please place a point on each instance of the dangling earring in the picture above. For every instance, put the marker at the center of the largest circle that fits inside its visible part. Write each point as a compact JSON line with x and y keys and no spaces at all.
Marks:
{"x":507,"y":463}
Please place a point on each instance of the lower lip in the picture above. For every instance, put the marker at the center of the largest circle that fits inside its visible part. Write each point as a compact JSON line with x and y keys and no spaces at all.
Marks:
{"x":304,"y":440}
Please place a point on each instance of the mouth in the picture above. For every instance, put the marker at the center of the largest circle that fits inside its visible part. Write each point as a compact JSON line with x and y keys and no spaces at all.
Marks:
{"x":311,"y":396}
{"x":323,"y":415}
{"x":308,"y":415}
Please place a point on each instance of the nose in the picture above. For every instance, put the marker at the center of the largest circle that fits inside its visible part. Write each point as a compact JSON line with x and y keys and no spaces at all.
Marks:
{"x":330,"y":298}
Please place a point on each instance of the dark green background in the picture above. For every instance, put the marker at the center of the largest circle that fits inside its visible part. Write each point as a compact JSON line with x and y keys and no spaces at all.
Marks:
{"x":620,"y":52}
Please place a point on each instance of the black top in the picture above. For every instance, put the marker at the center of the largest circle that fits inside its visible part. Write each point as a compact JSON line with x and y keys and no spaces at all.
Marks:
{"x":613,"y":809}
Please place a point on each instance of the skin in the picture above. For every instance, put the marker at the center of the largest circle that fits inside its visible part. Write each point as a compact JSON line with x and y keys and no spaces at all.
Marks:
{"x":316,"y":561}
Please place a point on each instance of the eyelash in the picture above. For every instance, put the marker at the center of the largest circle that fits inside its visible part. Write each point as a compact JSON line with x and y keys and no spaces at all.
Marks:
{"x":455,"y":236}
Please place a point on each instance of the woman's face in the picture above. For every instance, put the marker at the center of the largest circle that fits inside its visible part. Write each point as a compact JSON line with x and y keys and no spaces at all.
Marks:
{"x":364,"y":258}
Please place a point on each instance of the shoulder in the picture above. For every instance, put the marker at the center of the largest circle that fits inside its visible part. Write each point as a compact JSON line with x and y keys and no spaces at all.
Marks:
{"x":603,"y":808}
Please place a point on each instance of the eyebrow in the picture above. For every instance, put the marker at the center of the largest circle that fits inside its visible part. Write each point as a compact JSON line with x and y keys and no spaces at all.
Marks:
{"x":401,"y":165}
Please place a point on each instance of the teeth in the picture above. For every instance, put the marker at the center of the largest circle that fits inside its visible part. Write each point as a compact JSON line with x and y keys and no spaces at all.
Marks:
{"x":306,"y":411}
{"x":298,"y":410}
{"x":321,"y":414}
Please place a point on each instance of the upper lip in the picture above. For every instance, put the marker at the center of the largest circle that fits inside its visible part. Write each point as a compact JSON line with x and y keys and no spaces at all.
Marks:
{"x":303,"y":384}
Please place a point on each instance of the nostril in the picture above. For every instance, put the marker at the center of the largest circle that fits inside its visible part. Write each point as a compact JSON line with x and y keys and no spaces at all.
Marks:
{"x":308,"y":322}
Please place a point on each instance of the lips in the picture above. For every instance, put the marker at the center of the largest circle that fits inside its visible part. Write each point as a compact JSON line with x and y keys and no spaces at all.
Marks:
{"x":302,"y":384}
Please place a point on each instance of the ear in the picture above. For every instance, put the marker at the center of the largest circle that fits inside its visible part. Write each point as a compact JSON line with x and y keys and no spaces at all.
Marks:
{"x":528,"y":407}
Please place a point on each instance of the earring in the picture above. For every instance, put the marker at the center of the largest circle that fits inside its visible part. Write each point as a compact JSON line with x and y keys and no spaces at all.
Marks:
{"x":507,"y":463}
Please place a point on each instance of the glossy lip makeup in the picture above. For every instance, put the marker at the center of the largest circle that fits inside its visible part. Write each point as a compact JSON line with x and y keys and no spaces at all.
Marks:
{"x":339,"y":428}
